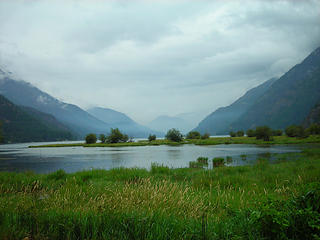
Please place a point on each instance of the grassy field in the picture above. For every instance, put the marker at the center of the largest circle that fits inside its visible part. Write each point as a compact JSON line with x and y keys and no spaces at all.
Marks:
{"x":263,"y":201}
{"x":210,"y":141}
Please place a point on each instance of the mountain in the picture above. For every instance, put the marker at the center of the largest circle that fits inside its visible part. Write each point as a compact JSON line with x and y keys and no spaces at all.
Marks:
{"x":122,"y":121}
{"x":164,"y":123}
{"x":313,"y":116}
{"x":219,"y":122}
{"x":27,"y":124}
{"x":289,"y":100}
{"x":24,"y":94}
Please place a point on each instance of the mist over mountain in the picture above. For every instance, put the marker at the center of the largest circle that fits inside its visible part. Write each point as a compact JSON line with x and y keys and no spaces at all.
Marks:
{"x":122,"y":121}
{"x":219,"y":122}
{"x":164,"y":123}
{"x":289,"y":100}
{"x":24,"y":124}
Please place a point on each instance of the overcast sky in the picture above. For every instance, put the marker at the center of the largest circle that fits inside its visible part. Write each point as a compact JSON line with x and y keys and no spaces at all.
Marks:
{"x":151,"y":58}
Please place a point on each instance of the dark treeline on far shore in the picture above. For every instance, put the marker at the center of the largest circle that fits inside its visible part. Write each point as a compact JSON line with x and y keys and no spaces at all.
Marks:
{"x":266,"y":133}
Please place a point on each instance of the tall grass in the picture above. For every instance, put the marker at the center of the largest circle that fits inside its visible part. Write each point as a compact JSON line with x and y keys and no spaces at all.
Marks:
{"x":221,"y":203}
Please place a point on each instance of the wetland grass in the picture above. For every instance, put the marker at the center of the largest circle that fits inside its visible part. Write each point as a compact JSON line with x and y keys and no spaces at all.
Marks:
{"x":263,"y":201}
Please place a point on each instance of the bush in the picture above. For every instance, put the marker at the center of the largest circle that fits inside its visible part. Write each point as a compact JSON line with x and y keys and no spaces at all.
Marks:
{"x":152,"y":137}
{"x":116,"y":136}
{"x":296,"y":131}
{"x":102,"y":138}
{"x":218,"y":162}
{"x":205,"y":136}
{"x":251,"y":133}
{"x":232,"y":134}
{"x":174,"y":135}
{"x":314,"y":129}
{"x":296,"y":218}
{"x":193,"y":135}
{"x":203,"y":160}
{"x":240,"y":133}
{"x":277,"y":132}
{"x":263,"y":132}
{"x":91,"y":138}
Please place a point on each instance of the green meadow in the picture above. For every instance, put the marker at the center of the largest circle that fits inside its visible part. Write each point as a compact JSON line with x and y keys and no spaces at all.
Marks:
{"x":262,"y":201}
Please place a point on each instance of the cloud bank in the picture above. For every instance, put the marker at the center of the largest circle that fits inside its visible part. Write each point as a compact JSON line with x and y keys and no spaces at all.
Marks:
{"x":150,"y":58}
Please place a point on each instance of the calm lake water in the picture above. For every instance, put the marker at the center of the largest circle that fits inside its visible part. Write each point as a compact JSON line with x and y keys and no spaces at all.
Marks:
{"x":18,"y":157}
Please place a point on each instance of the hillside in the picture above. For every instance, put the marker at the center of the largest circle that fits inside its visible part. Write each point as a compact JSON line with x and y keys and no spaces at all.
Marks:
{"x":122,"y":121}
{"x":313,"y":116}
{"x":289,"y":100}
{"x":26,"y":125}
{"x":24,"y":94}
{"x":220,"y":120}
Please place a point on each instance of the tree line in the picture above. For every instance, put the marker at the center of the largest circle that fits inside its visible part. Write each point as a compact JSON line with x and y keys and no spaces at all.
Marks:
{"x":260,"y":132}
{"x":266,"y":133}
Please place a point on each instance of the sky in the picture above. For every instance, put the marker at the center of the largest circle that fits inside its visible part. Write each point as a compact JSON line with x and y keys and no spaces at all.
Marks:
{"x":151,"y":58}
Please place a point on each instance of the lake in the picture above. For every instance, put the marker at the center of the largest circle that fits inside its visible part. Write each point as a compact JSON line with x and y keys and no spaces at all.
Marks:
{"x":19,"y":158}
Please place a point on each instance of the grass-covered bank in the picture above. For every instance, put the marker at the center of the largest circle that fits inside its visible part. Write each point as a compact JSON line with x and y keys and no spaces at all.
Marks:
{"x":264,"y":201}
{"x":209,"y":141}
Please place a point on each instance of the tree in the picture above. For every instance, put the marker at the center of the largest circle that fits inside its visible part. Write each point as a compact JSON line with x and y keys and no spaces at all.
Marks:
{"x":174,"y":135}
{"x":152,"y":137}
{"x":296,"y":131}
{"x":116,"y":136}
{"x":314,"y":129}
{"x":91,"y":138}
{"x":1,"y":138}
{"x":102,"y":138}
{"x":277,"y":132}
{"x":205,"y":136}
{"x":193,"y":135}
{"x":263,"y":132}
{"x":240,"y":133}
{"x":251,"y":133}
{"x":232,"y":134}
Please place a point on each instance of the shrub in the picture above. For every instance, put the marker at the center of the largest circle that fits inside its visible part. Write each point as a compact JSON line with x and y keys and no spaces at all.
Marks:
{"x":240,"y":133}
{"x":314,"y":129}
{"x":218,"y":162}
{"x":203,"y":160}
{"x":251,"y":133}
{"x":116,"y":136}
{"x":174,"y":135}
{"x":91,"y":138}
{"x":152,"y":137}
{"x":296,"y":218}
{"x":296,"y":131}
{"x":205,"y":136}
{"x":229,"y":159}
{"x":193,"y":135}
{"x":102,"y":138}
{"x":232,"y":134}
{"x":277,"y":132}
{"x":263,"y":132}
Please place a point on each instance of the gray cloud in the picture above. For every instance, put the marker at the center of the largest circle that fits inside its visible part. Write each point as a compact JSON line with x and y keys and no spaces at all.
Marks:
{"x":148,"y":58}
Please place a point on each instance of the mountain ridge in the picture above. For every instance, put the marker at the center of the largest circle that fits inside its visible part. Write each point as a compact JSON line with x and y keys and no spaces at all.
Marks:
{"x":122,"y":121}
{"x":26,"y":124}
{"x":289,"y":100}
{"x":219,"y":121}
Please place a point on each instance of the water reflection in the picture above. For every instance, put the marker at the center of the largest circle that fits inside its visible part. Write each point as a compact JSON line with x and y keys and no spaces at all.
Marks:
{"x":18,"y":157}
